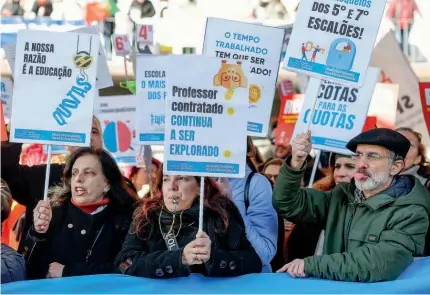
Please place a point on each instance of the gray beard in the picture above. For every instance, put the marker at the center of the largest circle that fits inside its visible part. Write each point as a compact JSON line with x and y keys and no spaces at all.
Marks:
{"x":374,"y":182}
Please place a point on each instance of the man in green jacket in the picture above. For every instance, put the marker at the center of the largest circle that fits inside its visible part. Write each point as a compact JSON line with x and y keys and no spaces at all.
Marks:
{"x":374,"y":226}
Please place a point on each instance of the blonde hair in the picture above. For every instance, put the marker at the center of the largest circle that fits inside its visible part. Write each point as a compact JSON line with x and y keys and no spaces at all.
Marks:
{"x":6,"y":200}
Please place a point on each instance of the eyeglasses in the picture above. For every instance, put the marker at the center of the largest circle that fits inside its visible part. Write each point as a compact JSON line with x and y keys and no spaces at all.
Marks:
{"x":371,"y":157}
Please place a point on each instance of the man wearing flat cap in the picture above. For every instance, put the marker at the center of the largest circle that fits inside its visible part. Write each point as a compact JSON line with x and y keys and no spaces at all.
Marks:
{"x":374,"y":225}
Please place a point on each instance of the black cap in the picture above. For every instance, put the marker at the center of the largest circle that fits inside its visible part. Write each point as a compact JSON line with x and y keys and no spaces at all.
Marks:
{"x":385,"y":137}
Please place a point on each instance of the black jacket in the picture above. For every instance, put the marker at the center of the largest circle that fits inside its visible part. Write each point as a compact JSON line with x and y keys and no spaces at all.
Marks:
{"x":146,"y":254}
{"x":26,"y":183}
{"x":71,"y":241}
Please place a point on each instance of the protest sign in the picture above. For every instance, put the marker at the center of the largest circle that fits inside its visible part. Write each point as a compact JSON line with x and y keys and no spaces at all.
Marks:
{"x":103,"y":79}
{"x":333,"y":40}
{"x":206,"y":130}
{"x":6,"y":97}
{"x":121,"y":44}
{"x":288,"y":30}
{"x":383,"y":105}
{"x":291,"y":105}
{"x":145,"y":34}
{"x":151,"y":94}
{"x":286,"y":87}
{"x":395,"y":68}
{"x":116,"y":115}
{"x":54,"y":87}
{"x":262,"y":50}
{"x":340,"y":112}
{"x":3,"y":130}
{"x":425,"y":100}
{"x":55,"y":149}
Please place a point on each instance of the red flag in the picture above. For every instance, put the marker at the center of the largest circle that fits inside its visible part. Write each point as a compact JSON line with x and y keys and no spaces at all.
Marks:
{"x":3,"y":125}
{"x":425,"y":102}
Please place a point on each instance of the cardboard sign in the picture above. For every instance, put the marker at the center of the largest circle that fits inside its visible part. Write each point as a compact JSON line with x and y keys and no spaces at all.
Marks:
{"x":333,"y":40}
{"x":116,"y":115}
{"x":395,"y":68}
{"x":384,"y":104}
{"x":261,"y":47}
{"x":145,"y":34}
{"x":54,"y":87}
{"x":205,"y":121}
{"x":121,"y":44}
{"x":340,"y":112}
{"x":151,"y":92}
{"x":291,"y":105}
{"x":6,"y":87}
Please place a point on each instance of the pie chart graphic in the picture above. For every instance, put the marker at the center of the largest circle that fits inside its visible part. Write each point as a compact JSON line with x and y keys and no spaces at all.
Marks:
{"x":117,"y":137}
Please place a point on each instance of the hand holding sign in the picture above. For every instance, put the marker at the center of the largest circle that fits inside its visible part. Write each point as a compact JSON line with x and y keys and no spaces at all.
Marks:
{"x":42,"y":216}
{"x":301,"y":147}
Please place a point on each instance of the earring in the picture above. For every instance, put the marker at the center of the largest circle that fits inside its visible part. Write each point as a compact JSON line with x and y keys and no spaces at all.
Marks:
{"x":106,"y":189}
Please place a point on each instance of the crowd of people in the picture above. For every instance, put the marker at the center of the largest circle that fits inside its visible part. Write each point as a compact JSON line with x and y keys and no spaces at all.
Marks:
{"x":365,"y":219}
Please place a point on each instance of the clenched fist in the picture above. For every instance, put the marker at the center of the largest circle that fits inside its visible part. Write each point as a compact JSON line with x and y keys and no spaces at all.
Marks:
{"x":42,"y":216}
{"x":301,"y":147}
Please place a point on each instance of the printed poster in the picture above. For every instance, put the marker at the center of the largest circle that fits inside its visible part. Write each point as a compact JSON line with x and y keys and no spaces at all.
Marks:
{"x":103,"y":79}
{"x":340,"y":112}
{"x":333,"y":40}
{"x":116,"y":115}
{"x":261,"y":47}
{"x":151,"y":92}
{"x":291,"y":104}
{"x":205,"y":129}
{"x":6,"y":87}
{"x":425,"y":100}
{"x":384,"y":104}
{"x":54,"y":87}
{"x":395,"y":68}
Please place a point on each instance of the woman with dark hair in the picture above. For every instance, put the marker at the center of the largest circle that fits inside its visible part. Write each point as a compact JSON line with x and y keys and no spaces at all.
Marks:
{"x":164,"y":241}
{"x":81,"y":229}
{"x":253,"y":197}
{"x":415,"y":161}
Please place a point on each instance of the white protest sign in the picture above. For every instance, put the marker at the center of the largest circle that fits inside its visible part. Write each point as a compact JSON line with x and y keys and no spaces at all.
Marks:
{"x":261,"y":47}
{"x":333,"y":40}
{"x":6,"y":87}
{"x":205,"y":131}
{"x":104,"y":78}
{"x":54,"y":87}
{"x":10,"y":52}
{"x":55,"y":150}
{"x":145,"y":34}
{"x":340,"y":112}
{"x":151,"y":92}
{"x":121,"y":44}
{"x":116,"y":115}
{"x":395,"y":68}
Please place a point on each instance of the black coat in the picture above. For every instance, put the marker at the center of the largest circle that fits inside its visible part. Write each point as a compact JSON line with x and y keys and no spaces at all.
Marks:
{"x":146,"y":254}
{"x":71,"y":241}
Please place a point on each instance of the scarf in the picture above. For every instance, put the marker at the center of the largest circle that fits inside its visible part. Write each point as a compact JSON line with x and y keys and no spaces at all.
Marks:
{"x":92,"y":208}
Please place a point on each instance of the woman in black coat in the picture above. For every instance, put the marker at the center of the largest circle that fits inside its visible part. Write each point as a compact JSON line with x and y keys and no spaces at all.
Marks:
{"x":164,"y":241}
{"x":81,"y":230}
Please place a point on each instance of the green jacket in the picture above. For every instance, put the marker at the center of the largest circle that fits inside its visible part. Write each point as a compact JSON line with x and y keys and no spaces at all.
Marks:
{"x":371,"y":241}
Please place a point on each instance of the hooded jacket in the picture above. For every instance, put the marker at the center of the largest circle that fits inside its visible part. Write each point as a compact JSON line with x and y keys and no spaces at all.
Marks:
{"x":369,"y":241}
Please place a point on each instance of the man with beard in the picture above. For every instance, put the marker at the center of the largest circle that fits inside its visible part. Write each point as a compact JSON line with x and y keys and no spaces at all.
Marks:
{"x":374,"y":226}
